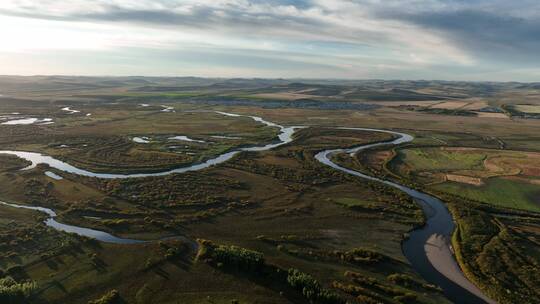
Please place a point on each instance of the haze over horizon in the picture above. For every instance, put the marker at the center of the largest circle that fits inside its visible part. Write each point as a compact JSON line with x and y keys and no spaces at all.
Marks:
{"x":414,"y":39}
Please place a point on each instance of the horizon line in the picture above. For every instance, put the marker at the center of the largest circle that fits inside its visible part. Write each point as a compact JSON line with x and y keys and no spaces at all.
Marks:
{"x":264,"y":78}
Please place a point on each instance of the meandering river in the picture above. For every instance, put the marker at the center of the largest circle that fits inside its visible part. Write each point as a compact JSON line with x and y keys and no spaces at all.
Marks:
{"x":428,"y":248}
{"x":91,"y":233}
{"x":285,"y":136}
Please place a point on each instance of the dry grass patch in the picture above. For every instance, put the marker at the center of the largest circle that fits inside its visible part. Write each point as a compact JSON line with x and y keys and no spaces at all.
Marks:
{"x":475,"y":181}
{"x":533,"y":109}
{"x":492,"y":115}
{"x":450,"y":105}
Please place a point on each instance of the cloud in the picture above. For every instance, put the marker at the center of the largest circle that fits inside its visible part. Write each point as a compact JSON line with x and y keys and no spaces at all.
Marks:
{"x":336,"y":21}
{"x":408,"y":35}
{"x":507,"y":34}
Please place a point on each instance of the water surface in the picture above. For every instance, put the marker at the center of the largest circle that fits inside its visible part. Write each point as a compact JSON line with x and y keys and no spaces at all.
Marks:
{"x":141,"y":140}
{"x":71,"y":111}
{"x":53,"y":175}
{"x":27,"y":121}
{"x":185,"y":138}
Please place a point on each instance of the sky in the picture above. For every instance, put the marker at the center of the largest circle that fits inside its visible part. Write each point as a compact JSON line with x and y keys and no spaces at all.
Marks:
{"x":481,"y":40}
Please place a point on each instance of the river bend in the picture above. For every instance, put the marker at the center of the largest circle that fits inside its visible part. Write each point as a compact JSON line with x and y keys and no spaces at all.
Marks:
{"x":428,"y":248}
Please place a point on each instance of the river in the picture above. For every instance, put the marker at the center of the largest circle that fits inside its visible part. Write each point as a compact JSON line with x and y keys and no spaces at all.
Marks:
{"x":285,"y":136}
{"x":91,"y":233}
{"x":428,"y":248}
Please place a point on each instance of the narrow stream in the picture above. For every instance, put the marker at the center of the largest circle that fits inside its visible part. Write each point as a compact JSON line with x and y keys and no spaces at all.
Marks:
{"x":91,"y":233}
{"x":428,"y":248}
{"x":285,"y":136}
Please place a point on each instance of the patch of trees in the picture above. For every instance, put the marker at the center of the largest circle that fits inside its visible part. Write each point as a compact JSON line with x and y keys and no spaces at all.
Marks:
{"x":28,"y":240}
{"x":253,"y":263}
{"x":373,"y":284}
{"x":497,"y":249}
{"x":167,"y":252}
{"x":361,"y":294}
{"x":370,"y":290}
{"x":360,"y":256}
{"x":407,"y":281}
{"x":213,"y":212}
{"x":13,"y":292}
{"x":389,"y":201}
{"x":283,"y":173}
{"x":230,"y":256}
{"x":39,"y":193}
{"x":171,"y":191}
{"x":12,"y":162}
{"x":357,"y":256}
{"x":455,"y":112}
{"x":311,"y":289}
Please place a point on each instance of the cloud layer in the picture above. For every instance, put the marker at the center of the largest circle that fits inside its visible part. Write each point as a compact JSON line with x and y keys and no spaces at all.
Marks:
{"x":477,"y":40}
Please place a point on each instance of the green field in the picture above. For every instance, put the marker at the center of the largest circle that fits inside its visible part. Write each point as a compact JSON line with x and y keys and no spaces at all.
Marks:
{"x":498,"y":191}
{"x":476,"y":174}
{"x":435,"y":159}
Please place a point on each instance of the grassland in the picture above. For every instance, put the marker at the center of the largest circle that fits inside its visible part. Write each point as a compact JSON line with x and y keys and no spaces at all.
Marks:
{"x":498,"y":191}
{"x":343,"y":233}
{"x":503,"y":178}
{"x":441,"y":160}
{"x":253,"y":195}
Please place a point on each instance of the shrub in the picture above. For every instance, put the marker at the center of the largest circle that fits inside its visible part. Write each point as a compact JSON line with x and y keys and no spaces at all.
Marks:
{"x":409,"y":282}
{"x":361,"y":255}
{"x":406,"y":298}
{"x":112,"y":297}
{"x":366,"y":300}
